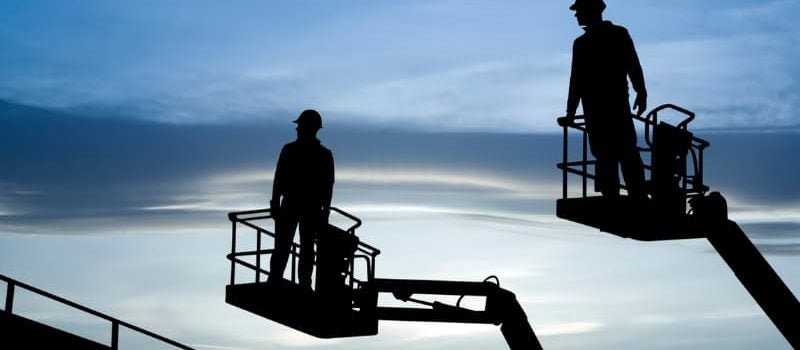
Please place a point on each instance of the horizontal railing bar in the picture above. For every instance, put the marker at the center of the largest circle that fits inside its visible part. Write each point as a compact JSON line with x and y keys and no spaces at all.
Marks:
{"x":247,"y":264}
{"x":257,"y":228}
{"x":579,"y":172}
{"x":349,"y":216}
{"x":72,"y":304}
{"x":375,"y":252}
{"x":368,"y":253}
{"x":233,"y":257}
{"x":579,"y":126}
{"x":233,"y":216}
{"x":250,"y":252}
{"x":256,"y":218}
{"x":561,"y":165}
{"x":269,"y":233}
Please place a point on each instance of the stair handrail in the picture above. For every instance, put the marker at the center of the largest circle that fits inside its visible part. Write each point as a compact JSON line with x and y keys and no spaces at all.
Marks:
{"x":12,"y":284}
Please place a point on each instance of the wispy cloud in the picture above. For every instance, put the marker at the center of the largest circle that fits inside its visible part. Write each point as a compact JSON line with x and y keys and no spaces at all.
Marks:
{"x":730,"y":82}
{"x":720,"y":314}
{"x":449,"y":66}
{"x":764,"y":214}
{"x":568,"y":328}
{"x":500,"y":95}
{"x":414,"y":177}
{"x":784,"y":249}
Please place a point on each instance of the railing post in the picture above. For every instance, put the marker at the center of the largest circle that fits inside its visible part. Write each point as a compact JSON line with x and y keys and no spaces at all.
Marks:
{"x":9,"y":297}
{"x":294,"y":262}
{"x":233,"y":251}
{"x":114,"y":335}
{"x":699,"y":171}
{"x":352,"y":272}
{"x":585,"y":172}
{"x":258,"y":256}
{"x":565,"y":150}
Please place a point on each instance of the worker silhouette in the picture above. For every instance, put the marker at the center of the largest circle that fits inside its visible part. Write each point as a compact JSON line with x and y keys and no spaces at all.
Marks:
{"x":301,"y":195}
{"x":603,"y":59}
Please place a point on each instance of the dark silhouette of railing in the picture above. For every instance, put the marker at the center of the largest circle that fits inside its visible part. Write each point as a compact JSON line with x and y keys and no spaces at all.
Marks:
{"x":12,"y":285}
{"x":349,"y":306}
{"x":690,"y":180}
{"x":251,"y":218}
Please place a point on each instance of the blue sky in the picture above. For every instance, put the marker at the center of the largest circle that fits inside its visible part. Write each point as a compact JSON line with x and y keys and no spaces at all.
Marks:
{"x":457,"y":65}
{"x":129,"y":129}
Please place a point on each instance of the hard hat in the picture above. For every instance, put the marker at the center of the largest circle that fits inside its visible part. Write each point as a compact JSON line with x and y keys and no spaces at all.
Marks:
{"x":588,"y":5}
{"x":311,"y":118}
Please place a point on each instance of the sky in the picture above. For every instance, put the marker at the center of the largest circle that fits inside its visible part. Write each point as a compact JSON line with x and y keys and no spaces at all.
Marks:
{"x":129,"y":129}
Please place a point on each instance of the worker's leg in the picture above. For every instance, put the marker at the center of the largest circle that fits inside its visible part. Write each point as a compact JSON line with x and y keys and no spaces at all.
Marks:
{"x":308,"y":229}
{"x":607,"y":174}
{"x":606,"y":169}
{"x":631,"y":163}
{"x":285,"y":227}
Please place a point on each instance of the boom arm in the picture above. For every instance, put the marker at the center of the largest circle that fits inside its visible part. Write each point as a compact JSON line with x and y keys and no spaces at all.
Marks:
{"x":749,"y":266}
{"x":501,"y":307}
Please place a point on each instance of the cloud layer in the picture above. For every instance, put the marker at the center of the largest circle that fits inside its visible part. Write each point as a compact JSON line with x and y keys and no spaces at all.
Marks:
{"x":440,"y":65}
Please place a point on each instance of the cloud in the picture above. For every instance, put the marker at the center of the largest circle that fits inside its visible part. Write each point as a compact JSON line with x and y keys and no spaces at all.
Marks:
{"x":719,"y":314}
{"x":740,"y":81}
{"x":764,"y":214}
{"x":292,"y":338}
{"x":787,"y":249}
{"x":496,"y":95}
{"x":149,"y":174}
{"x":408,"y":332}
{"x":410,"y":177}
{"x":569,"y":328}
{"x":772,"y":230}
{"x":448,"y":66}
{"x":763,"y":14}
{"x":775,"y":231}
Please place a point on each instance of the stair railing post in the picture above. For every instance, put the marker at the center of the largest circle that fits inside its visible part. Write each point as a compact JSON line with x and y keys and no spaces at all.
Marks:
{"x":114,"y":335}
{"x":9,"y":298}
{"x":233,"y":252}
{"x":258,"y":256}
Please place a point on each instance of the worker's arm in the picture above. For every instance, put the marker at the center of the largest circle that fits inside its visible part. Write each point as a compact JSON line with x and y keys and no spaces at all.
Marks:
{"x":327,"y":193}
{"x":574,"y":96}
{"x":277,"y":183}
{"x":636,"y":75}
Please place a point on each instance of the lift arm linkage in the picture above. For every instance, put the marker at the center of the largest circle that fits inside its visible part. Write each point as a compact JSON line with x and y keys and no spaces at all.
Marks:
{"x":502,"y":307}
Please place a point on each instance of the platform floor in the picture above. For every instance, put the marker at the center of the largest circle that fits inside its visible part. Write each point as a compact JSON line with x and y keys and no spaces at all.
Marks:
{"x":303,"y":310}
{"x":628,"y":218}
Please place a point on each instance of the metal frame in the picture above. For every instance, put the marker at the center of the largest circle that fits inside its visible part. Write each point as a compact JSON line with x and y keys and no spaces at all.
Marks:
{"x":691,"y":183}
{"x":251,"y":218}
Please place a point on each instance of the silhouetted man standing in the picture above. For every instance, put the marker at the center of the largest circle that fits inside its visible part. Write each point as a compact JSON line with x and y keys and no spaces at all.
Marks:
{"x":301,"y":195}
{"x":603,"y":59}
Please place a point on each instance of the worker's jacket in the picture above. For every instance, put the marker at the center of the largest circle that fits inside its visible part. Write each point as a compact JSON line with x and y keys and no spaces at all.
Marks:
{"x":602,"y":60}
{"x":304,"y":175}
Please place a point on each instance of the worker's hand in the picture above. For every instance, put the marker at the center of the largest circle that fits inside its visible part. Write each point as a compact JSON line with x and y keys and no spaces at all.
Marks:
{"x":640,"y":104}
{"x":567,"y":120}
